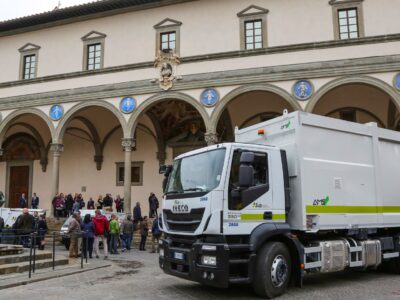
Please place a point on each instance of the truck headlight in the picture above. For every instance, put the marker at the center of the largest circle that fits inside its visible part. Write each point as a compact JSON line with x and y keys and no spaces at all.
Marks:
{"x":161,"y":252}
{"x":208,"y":260}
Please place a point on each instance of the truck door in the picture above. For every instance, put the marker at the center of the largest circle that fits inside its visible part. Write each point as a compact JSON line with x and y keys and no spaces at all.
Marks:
{"x":246,"y":207}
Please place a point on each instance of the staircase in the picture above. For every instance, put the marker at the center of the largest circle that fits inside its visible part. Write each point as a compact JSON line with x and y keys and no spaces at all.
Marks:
{"x":18,"y":263}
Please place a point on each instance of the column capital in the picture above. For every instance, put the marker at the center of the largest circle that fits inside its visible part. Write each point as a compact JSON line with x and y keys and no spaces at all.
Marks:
{"x":128,"y":144}
{"x":57,"y":148}
{"x":211,"y":138}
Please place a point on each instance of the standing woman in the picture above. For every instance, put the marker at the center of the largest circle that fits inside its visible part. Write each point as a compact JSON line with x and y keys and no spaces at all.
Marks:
{"x":144,"y":231}
{"x":75,"y":232}
{"x":88,"y":236}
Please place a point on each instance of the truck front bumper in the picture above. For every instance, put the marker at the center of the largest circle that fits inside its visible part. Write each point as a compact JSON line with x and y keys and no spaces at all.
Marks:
{"x":187,"y":261}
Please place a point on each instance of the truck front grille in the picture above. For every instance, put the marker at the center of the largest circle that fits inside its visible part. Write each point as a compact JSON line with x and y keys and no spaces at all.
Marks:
{"x":184,"y":222}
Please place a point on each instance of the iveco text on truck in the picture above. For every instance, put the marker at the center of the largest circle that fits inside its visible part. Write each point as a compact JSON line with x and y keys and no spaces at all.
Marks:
{"x":298,"y":194}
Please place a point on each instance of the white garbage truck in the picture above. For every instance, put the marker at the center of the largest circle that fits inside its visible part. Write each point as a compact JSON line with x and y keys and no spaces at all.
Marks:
{"x":294,"y":195}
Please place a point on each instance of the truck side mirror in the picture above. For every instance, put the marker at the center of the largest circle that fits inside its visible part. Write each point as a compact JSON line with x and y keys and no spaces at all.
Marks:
{"x":246,"y":170}
{"x":246,"y":176}
{"x":166,"y":171}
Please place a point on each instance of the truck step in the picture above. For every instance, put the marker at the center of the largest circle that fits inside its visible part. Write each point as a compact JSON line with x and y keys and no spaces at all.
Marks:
{"x":239,"y":261}
{"x":239,"y":280}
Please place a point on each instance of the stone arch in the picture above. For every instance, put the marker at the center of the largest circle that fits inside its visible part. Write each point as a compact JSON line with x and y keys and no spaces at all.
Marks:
{"x":143,"y":107}
{"x":62,"y":126}
{"x":7,"y":122}
{"x":223,"y":104}
{"x":367,"y":80}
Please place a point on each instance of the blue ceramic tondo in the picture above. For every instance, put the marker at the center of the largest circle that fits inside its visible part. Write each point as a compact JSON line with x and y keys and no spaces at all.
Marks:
{"x":303,"y":89}
{"x":128,"y":105}
{"x":209,"y":97}
{"x":56,"y":112}
{"x":397,"y":81}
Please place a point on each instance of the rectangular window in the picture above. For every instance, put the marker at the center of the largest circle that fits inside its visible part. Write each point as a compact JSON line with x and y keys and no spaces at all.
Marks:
{"x":29,"y":70}
{"x":94,"y":56}
{"x":253,"y":34}
{"x":136,"y":173}
{"x":168,"y":40}
{"x":348,"y":23}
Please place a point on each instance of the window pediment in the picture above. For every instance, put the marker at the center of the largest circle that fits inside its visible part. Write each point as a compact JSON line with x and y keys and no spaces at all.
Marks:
{"x":29,"y":47}
{"x":167,"y":22}
{"x":252,"y":10}
{"x":338,"y":2}
{"x":92,"y":35}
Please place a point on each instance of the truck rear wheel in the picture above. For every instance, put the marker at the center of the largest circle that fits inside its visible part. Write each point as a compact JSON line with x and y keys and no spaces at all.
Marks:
{"x":273,"y":270}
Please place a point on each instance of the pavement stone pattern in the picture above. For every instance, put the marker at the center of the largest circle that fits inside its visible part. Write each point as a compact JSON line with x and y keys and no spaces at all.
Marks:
{"x":136,"y":275}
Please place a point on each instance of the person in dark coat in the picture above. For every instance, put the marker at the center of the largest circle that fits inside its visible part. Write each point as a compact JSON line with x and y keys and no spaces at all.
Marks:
{"x":137,"y":213}
{"x":35,"y":201}
{"x":153,"y":205}
{"x":42,"y":230}
{"x":23,"y":203}
{"x":88,"y":236}
{"x":24,"y":227}
{"x":144,"y":232}
{"x":69,"y":203}
{"x":90,"y":204}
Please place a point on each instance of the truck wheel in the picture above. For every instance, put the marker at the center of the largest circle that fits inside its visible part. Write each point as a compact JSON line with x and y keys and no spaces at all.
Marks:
{"x":273,"y":270}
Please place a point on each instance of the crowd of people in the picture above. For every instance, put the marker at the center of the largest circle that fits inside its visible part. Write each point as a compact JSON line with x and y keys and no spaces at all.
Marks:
{"x":114,"y":234}
{"x":65,"y":206}
{"x":86,"y":232}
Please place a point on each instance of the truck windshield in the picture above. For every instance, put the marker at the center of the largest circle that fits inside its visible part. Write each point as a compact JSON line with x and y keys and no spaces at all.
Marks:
{"x":197,"y":173}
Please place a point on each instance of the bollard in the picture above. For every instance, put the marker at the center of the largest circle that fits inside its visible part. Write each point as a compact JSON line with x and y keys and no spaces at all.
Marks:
{"x":54,"y":250}
{"x":86,"y":248}
{"x":34,"y":252}
{"x":30,"y":259}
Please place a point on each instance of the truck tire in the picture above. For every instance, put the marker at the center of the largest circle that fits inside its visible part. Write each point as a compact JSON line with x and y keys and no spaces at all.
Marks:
{"x":273,"y":270}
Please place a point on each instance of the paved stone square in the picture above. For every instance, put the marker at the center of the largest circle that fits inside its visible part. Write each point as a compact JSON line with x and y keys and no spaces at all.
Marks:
{"x":136,"y":275}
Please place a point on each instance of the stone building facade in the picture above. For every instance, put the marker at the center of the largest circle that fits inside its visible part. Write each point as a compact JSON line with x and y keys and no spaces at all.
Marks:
{"x":93,"y":98}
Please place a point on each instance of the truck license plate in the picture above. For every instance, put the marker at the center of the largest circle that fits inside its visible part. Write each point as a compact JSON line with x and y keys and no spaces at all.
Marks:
{"x":178,"y":255}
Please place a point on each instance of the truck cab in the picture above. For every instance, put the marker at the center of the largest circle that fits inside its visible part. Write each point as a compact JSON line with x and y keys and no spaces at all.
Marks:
{"x":218,"y":202}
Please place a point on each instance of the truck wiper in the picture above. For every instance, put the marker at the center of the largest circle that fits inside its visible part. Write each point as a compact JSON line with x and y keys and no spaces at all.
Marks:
{"x":194,"y":189}
{"x":171,"y":192}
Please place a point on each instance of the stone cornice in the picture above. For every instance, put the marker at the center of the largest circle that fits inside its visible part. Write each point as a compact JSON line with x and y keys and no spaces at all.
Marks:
{"x":215,"y":56}
{"x":336,"y":68}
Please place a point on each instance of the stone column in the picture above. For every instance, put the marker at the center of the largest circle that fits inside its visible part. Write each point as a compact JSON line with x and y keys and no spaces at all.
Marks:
{"x":57,"y":149}
{"x":127,"y":144}
{"x":211,"y":138}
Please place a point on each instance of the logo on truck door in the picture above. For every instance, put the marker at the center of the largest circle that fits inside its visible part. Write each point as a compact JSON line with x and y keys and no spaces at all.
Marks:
{"x":323,"y":201}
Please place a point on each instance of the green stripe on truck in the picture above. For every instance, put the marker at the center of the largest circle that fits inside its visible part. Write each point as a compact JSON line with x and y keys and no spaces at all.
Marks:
{"x":260,"y":217}
{"x":321,"y":209}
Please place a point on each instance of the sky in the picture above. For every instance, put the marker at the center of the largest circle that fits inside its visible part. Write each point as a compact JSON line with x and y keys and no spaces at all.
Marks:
{"x":10,"y":9}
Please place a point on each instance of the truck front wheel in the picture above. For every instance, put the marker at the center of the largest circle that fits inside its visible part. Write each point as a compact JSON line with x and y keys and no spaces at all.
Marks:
{"x":273,"y":270}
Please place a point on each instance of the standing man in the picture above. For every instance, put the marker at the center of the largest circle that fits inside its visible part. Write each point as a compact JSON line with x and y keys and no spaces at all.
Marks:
{"x":153,"y":205}
{"x":23,"y":203}
{"x":75,"y":232}
{"x":137,"y":214}
{"x":24,"y":226}
{"x":35,"y":201}
{"x":101,"y":229}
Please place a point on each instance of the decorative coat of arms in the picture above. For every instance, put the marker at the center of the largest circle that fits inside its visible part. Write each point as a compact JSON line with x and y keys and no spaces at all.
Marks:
{"x":167,"y":63}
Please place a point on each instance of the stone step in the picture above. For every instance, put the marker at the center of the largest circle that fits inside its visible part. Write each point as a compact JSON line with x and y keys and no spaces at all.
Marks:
{"x":11,"y":259}
{"x":24,"y":266}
